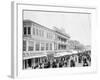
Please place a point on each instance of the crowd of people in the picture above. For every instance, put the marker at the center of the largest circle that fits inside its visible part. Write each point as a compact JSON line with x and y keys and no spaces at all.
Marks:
{"x":73,"y":60}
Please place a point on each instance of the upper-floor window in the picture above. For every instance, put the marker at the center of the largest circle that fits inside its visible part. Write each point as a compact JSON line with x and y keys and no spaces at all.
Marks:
{"x":37,"y":46}
{"x":30,"y":46}
{"x":29,"y":30}
{"x":50,"y":46}
{"x":42,"y":46}
{"x":47,"y":46}
{"x":25,"y":30}
{"x":59,"y":46}
{"x":33,"y":31}
{"x":49,"y":35}
{"x":24,"y":45}
{"x":37,"y":32}
{"x":55,"y":46}
{"x":42,"y":33}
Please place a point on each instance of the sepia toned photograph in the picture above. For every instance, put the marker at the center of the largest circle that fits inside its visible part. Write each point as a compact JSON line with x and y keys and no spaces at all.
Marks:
{"x":54,"y":39}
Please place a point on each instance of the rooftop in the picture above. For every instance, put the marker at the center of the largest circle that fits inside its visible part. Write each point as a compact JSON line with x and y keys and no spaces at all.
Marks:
{"x":55,"y":29}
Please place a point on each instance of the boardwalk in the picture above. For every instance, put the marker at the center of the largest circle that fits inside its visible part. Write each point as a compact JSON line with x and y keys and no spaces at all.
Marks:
{"x":73,"y":60}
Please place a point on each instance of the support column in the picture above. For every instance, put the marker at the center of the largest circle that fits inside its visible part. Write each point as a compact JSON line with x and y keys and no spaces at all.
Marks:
{"x":32,"y":62}
{"x":23,"y":64}
{"x":26,"y":63}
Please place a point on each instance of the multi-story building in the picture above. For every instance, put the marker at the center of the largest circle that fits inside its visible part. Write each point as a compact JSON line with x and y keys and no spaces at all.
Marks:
{"x":40,"y":42}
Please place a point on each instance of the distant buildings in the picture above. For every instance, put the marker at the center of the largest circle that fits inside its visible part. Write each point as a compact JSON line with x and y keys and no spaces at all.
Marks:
{"x":40,"y":41}
{"x":88,"y":47}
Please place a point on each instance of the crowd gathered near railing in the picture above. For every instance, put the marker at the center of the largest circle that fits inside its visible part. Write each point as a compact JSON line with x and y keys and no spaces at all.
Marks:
{"x":80,"y":59}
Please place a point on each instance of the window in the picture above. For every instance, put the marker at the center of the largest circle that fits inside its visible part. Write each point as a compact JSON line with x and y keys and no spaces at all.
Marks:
{"x":37,"y":46}
{"x":47,"y":35}
{"x":36,"y":31}
{"x":33,"y":31}
{"x":50,"y":36}
{"x":59,"y":46}
{"x":47,"y":46}
{"x":25,"y":30}
{"x":42,"y":33}
{"x":42,"y":46}
{"x":65,"y":47}
{"x":24,"y":45}
{"x":55,"y":46}
{"x":50,"y":46}
{"x":30,"y":46}
{"x":29,"y":30}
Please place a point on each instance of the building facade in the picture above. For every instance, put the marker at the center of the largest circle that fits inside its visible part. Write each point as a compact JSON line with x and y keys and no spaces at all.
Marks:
{"x":40,"y":42}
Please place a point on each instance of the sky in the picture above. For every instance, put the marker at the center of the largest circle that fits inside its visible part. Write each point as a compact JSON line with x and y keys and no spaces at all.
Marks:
{"x":77,"y":25}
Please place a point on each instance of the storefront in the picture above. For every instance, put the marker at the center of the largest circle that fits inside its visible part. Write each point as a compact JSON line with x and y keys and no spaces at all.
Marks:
{"x":33,"y":61}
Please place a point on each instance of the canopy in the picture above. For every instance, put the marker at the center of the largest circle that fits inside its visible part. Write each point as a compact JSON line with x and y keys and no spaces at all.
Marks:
{"x":34,"y":55}
{"x":65,"y":53}
{"x":61,"y":54}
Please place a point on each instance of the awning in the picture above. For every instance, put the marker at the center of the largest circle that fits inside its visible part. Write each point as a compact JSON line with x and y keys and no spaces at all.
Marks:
{"x":34,"y":55}
{"x":61,"y":54}
{"x":64,"y":53}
